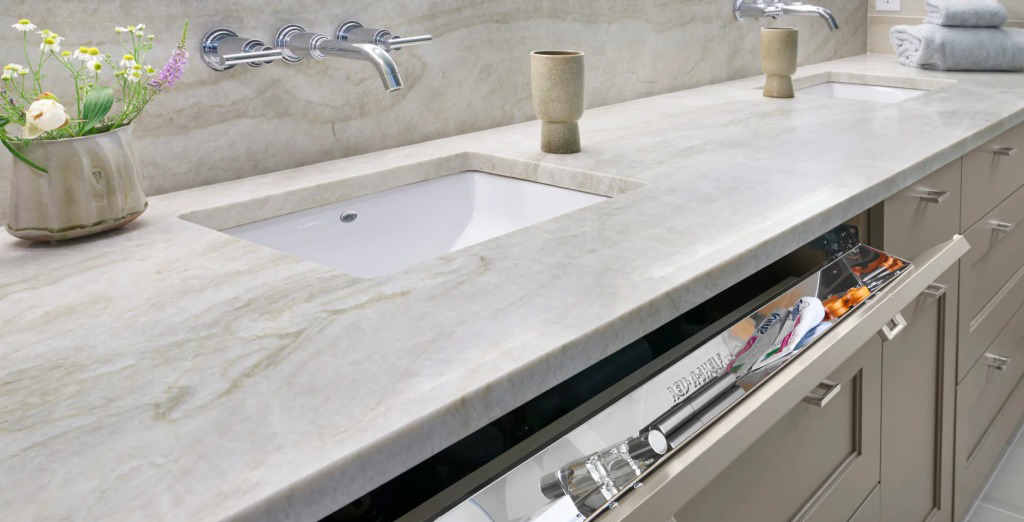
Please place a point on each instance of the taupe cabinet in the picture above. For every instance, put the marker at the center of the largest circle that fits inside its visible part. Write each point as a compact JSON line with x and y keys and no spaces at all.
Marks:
{"x":950,"y":384}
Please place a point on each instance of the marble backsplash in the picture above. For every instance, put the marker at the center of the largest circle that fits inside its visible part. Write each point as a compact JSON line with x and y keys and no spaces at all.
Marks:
{"x":216,"y":127}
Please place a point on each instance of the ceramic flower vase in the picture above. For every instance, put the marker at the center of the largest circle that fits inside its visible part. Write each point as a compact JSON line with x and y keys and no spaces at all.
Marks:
{"x":91,"y":186}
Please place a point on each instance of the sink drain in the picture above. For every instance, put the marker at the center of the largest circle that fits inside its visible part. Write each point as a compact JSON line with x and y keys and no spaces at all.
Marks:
{"x":348,"y":217}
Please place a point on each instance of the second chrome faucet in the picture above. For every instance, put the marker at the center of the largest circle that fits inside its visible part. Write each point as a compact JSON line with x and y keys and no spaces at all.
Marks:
{"x":776,"y":9}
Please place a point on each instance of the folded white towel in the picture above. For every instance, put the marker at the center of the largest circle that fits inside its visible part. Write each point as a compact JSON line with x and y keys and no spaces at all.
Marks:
{"x":965,"y":13}
{"x":959,"y":48}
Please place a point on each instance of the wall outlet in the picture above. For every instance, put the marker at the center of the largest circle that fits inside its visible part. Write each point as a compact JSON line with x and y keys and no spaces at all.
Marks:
{"x":887,"y":5}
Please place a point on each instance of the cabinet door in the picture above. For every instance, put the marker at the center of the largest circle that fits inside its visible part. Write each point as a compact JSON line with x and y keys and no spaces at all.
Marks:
{"x":989,"y":406}
{"x":818,"y":463}
{"x":991,"y":172}
{"x":918,"y":397}
{"x":920,"y":216}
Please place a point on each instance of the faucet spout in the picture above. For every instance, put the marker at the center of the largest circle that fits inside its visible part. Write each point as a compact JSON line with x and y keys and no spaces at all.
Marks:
{"x":804,"y":9}
{"x":374,"y":54}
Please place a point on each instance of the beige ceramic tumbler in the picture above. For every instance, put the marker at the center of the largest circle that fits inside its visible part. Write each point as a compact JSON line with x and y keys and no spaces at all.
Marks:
{"x":557,"y":82}
{"x":778,"y":60}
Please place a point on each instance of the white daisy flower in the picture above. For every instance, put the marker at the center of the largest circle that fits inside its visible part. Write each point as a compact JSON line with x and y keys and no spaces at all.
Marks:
{"x":150,"y":70}
{"x":127,"y":61}
{"x":11,"y":71}
{"x":24,"y":25}
{"x":94,"y":54}
{"x":82,"y":53}
{"x":16,"y":69}
{"x":120,"y":29}
{"x":134,"y":76}
{"x":140,"y":27}
{"x":96,"y":67}
{"x":51,"y":43}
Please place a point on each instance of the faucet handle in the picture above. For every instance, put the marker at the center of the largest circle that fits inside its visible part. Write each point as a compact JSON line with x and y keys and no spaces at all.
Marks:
{"x":222,"y":49}
{"x":299,"y":44}
{"x":398,"y":42}
{"x":353,"y":31}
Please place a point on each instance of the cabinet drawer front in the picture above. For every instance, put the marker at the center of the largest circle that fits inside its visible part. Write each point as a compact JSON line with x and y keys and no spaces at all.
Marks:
{"x":923,"y":215}
{"x":982,"y":400}
{"x":814,"y":464}
{"x":918,"y":390}
{"x":989,"y":276}
{"x":685,"y":471}
{"x":990,"y":176}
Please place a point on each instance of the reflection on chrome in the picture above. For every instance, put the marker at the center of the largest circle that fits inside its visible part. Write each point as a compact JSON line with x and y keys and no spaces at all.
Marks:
{"x":593,"y":480}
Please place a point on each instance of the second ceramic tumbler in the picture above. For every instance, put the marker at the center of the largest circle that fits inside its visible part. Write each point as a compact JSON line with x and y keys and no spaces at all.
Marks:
{"x":557,"y":85}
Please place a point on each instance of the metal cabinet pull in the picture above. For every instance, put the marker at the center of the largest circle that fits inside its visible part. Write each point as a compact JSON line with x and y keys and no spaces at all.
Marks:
{"x":934,"y":196}
{"x":1003,"y":151}
{"x":935,"y":290}
{"x":823,"y":393}
{"x":899,"y":323}
{"x":997,"y":361}
{"x":1001,"y":226}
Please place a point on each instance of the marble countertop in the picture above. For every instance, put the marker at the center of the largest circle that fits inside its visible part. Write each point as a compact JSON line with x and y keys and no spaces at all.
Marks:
{"x":172,"y":372}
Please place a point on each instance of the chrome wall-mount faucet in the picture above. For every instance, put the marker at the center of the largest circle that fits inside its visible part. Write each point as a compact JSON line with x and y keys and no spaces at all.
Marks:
{"x":351,"y":40}
{"x":223,"y":49}
{"x":775,"y":9}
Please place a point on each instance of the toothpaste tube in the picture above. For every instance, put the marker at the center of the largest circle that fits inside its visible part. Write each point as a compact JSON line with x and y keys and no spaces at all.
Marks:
{"x":805,"y":315}
{"x":760,"y":341}
{"x":813,"y":334}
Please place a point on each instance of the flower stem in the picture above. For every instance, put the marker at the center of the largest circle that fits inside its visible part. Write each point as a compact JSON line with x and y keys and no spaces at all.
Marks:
{"x":35,"y":76}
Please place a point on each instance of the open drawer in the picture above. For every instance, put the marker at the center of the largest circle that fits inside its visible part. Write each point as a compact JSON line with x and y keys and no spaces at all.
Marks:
{"x":680,"y":428}
{"x":677,"y":478}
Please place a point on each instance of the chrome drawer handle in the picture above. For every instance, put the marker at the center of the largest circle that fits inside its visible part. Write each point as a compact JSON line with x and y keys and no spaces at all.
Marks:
{"x":1001,"y":226}
{"x":935,"y":196}
{"x":899,"y":323}
{"x":935,"y":290}
{"x":997,"y":361}
{"x":822,"y":394}
{"x":1003,"y":151}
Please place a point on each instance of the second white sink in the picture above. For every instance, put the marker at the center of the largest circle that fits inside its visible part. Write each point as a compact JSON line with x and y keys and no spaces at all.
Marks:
{"x":858,"y":91}
{"x":388,"y":231}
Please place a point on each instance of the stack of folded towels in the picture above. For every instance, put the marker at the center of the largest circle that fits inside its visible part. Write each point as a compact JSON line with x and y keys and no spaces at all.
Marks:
{"x":961,"y":35}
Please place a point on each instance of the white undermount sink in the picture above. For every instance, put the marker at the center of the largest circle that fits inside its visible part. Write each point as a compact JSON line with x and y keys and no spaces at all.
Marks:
{"x":859,"y":91}
{"x":388,"y":231}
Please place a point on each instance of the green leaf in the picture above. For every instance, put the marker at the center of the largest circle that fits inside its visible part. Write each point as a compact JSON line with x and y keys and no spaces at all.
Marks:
{"x":4,"y":120}
{"x":95,"y":107}
{"x":22,"y":157}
